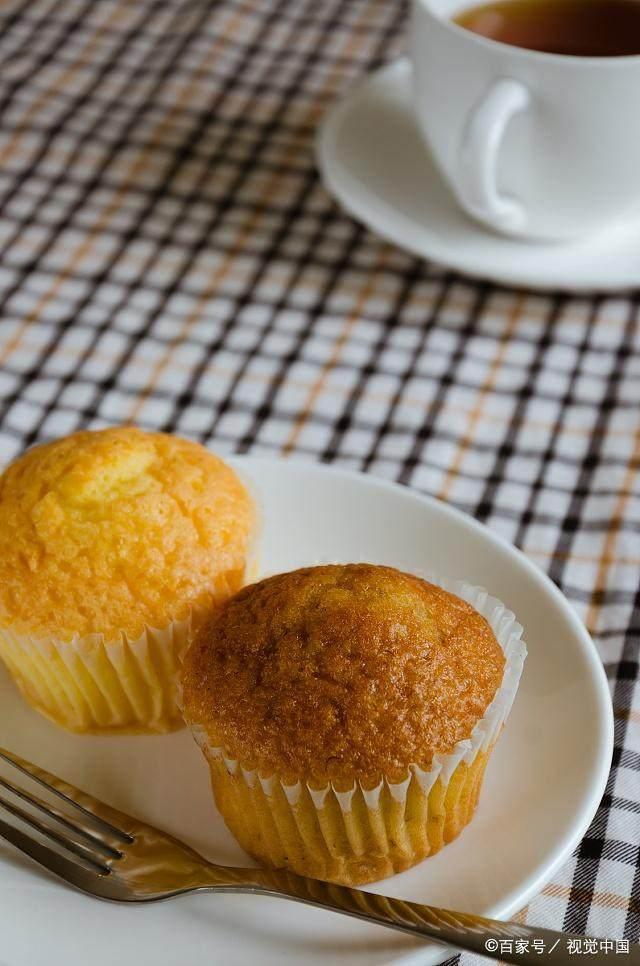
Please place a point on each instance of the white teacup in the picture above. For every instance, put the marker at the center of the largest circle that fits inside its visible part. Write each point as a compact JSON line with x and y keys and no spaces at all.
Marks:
{"x":532,"y":144}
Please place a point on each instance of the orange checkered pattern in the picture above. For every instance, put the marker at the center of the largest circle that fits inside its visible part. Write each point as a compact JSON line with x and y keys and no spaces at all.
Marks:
{"x":168,"y":256}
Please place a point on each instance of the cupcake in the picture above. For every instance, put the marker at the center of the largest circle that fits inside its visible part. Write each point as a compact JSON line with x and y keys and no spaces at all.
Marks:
{"x":113,"y":546}
{"x":347,"y":714}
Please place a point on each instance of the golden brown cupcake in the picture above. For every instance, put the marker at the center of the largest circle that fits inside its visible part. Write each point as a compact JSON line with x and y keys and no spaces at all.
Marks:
{"x":347,"y":713}
{"x":112,"y":545}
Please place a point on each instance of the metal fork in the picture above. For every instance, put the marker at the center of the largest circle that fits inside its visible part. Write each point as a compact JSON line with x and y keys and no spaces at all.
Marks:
{"x":111,"y":855}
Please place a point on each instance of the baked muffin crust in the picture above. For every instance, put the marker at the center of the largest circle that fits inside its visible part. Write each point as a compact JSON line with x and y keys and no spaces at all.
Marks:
{"x":111,"y":531}
{"x":342,"y":673}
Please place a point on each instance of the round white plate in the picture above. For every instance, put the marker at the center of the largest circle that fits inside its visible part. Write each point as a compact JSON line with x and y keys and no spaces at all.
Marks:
{"x":372,"y":158}
{"x":542,"y":788}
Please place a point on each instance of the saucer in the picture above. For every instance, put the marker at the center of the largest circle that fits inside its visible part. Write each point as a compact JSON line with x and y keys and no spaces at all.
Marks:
{"x":373,"y":160}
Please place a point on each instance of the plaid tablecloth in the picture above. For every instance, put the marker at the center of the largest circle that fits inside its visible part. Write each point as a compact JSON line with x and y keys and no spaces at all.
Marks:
{"x":169,"y":257}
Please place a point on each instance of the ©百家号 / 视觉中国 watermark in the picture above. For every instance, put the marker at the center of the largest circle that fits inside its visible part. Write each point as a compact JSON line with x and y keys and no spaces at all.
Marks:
{"x":578,"y":946}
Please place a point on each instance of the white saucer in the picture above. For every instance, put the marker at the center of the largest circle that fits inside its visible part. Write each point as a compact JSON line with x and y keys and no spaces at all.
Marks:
{"x":543,"y":784}
{"x":372,"y":158}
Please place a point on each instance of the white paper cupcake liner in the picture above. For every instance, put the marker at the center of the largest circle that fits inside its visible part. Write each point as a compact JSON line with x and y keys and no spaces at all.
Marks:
{"x":88,"y":684}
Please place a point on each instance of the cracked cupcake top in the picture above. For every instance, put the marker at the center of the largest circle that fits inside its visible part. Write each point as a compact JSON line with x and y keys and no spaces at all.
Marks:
{"x":340,"y":672}
{"x":111,"y":531}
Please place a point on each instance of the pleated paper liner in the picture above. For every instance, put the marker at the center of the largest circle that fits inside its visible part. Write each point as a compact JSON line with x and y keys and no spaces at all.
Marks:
{"x":361,"y":835}
{"x":95,"y":686}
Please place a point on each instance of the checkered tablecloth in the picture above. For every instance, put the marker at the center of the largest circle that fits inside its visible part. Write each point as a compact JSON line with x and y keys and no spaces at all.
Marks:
{"x":169,"y":257}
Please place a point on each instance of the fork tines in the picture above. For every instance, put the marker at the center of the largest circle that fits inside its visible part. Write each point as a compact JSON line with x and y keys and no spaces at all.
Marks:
{"x":83,"y":839}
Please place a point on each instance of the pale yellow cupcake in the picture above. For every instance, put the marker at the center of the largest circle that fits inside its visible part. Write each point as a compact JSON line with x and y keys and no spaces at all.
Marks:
{"x":347,"y":714}
{"x":113,"y":544}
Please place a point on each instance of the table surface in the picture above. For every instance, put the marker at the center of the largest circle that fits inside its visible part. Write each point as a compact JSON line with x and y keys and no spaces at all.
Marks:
{"x":169,"y":257}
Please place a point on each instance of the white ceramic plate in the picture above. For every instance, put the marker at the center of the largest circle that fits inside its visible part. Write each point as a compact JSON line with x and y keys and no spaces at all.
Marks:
{"x":372,"y":158}
{"x":542,"y":787}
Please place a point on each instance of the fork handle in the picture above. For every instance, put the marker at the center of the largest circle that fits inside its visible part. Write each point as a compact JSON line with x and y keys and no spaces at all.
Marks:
{"x":462,"y":930}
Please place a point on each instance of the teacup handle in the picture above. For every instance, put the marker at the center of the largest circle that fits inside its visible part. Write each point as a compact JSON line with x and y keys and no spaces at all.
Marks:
{"x":479,"y":150}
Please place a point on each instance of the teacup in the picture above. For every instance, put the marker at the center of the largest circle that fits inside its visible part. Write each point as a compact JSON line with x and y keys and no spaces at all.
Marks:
{"x":532,"y":144}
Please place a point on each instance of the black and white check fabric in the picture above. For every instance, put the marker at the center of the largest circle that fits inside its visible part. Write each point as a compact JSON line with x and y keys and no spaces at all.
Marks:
{"x":169,"y":257}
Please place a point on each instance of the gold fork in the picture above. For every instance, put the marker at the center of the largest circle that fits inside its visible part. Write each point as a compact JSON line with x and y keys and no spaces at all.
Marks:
{"x":111,"y":855}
